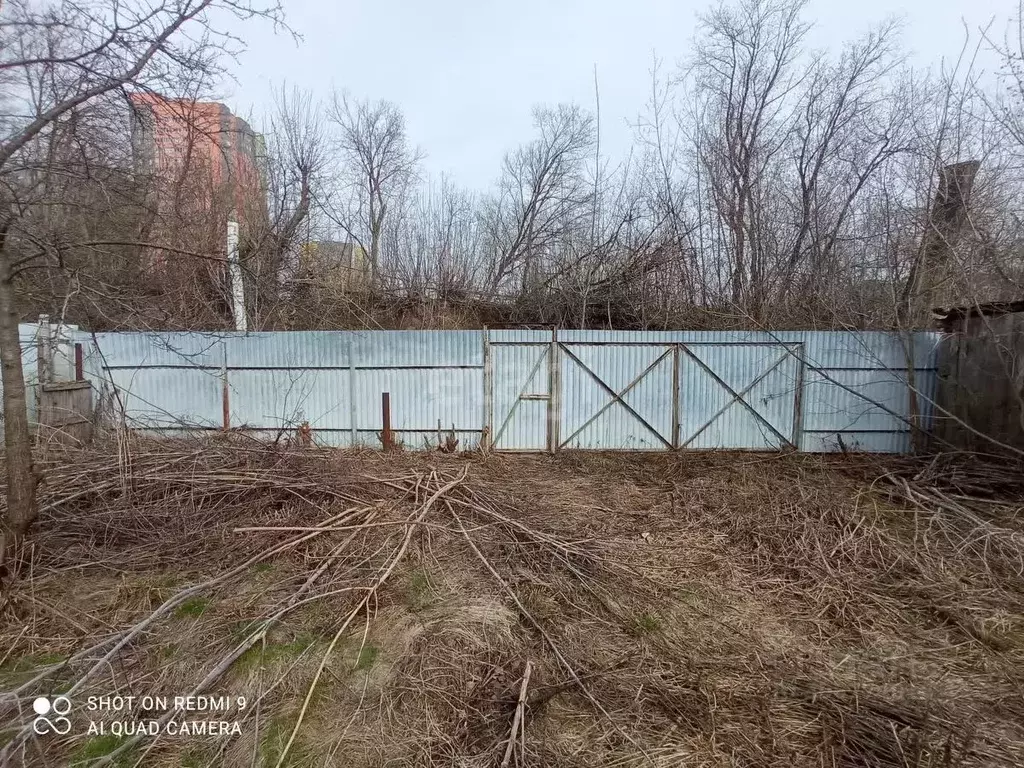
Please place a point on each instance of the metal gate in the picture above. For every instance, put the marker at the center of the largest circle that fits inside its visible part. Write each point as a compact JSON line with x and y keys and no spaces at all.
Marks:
{"x":640,"y":396}
{"x":739,"y":396}
{"x":617,"y":396}
{"x":521,"y":406}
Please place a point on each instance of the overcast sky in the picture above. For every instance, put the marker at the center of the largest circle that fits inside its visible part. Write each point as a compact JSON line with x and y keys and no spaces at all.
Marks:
{"x":467,"y":72}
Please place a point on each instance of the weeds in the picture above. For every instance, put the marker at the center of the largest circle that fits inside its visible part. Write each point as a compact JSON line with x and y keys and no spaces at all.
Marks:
{"x":192,"y":608}
{"x":646,"y":624}
{"x":96,"y":747}
{"x":419,"y":594}
{"x":367,"y":657}
{"x":784,"y":610}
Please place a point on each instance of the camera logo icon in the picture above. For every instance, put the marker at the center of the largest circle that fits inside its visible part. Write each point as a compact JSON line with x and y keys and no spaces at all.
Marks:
{"x":50,"y":715}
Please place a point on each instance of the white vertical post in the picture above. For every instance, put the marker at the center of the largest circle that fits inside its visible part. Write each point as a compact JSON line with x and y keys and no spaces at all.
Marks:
{"x":486,"y":435}
{"x":354,"y":437}
{"x":43,"y":363}
{"x":235,"y":273}
{"x":44,"y":346}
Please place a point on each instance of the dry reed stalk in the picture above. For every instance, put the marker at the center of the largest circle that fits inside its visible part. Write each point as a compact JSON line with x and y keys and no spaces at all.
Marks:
{"x":379,"y":582}
{"x":675,"y":610}
{"x":518,"y":720}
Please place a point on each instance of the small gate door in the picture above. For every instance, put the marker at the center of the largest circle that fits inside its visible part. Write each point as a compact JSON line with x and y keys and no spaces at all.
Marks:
{"x":520,"y":396}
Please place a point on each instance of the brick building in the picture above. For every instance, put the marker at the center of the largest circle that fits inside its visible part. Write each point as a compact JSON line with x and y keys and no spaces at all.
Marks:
{"x":205,"y":167}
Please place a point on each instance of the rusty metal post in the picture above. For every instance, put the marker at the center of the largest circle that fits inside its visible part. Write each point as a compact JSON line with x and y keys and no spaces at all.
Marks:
{"x":385,"y":408}
{"x":79,"y":363}
{"x":225,"y":395}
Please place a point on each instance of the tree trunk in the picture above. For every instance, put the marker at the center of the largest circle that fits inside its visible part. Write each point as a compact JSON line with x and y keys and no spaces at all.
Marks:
{"x":375,"y":230}
{"x":21,"y":478}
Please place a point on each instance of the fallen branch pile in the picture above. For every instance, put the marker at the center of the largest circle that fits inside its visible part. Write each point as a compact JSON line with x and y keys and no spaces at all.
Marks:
{"x":445,"y":609}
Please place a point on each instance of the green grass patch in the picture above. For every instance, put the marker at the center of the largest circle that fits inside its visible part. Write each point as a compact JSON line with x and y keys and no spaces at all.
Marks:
{"x":275,"y":736}
{"x":242,"y":629}
{"x":646,"y":624}
{"x":192,"y":608}
{"x":168,"y":651}
{"x":167,"y":581}
{"x":14,"y":670}
{"x":193,"y":758}
{"x":35,"y":660}
{"x":263,"y":568}
{"x":96,"y":747}
{"x":367,"y":657}
{"x":273,"y":652}
{"x":419,"y":595}
{"x":294,"y":647}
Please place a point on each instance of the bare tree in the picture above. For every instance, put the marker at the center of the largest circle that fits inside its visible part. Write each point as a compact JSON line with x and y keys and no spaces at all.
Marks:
{"x":295,"y":166}
{"x":378,"y":166}
{"x":437,"y":243}
{"x":543,"y":193}
{"x":846,"y":130}
{"x":660,"y":137}
{"x":769,"y":184}
{"x":57,"y":62}
{"x":746,"y":70}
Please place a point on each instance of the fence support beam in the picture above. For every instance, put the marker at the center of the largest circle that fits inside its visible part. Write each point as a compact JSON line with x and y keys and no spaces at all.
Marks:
{"x":385,"y":409}
{"x":553,"y":404}
{"x":225,"y":397}
{"x":486,"y":438}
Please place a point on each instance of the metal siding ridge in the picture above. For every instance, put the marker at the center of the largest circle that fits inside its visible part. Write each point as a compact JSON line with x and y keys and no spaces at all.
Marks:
{"x":289,"y":349}
{"x":333,"y":379}
{"x":170,"y":349}
{"x":390,"y":349}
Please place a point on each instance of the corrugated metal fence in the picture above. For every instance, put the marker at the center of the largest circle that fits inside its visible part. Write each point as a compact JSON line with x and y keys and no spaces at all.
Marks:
{"x":269,"y":383}
{"x":528,"y":390}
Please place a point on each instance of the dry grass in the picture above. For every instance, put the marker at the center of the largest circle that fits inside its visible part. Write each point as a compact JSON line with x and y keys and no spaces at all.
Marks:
{"x":703,"y":609}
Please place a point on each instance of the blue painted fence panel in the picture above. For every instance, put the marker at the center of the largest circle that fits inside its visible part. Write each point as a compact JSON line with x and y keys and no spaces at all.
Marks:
{"x":617,"y":390}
